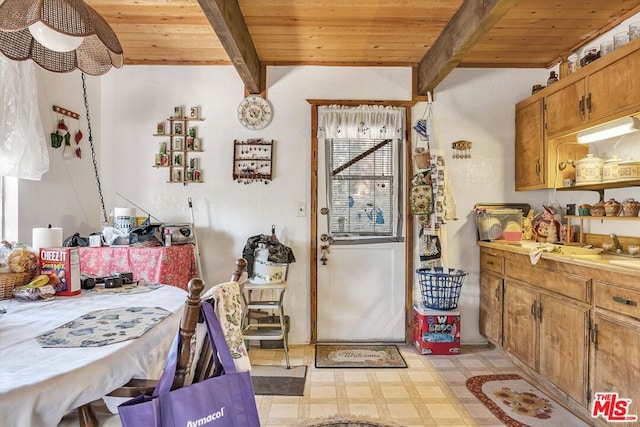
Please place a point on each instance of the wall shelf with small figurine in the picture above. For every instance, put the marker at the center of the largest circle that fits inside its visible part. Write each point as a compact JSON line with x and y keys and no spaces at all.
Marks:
{"x":177,"y":152}
{"x":252,"y":161}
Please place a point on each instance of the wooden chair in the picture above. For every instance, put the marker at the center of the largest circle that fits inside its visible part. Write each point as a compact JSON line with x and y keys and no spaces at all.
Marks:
{"x":188,"y":323}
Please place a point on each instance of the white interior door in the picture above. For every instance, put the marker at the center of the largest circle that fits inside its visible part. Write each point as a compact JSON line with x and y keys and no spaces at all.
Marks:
{"x":360,"y":283}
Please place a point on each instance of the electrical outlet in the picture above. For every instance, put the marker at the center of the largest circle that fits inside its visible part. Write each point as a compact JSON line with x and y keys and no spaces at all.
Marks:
{"x":301,"y":209}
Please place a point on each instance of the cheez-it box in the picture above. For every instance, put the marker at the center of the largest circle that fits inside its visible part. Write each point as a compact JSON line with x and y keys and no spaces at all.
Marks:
{"x":62,"y":265}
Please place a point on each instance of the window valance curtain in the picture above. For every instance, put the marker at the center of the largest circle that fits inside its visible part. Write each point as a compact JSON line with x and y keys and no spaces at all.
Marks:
{"x":364,"y":121}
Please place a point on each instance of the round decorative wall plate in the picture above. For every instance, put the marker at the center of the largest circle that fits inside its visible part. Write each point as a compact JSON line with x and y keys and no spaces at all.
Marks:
{"x":254,"y":112}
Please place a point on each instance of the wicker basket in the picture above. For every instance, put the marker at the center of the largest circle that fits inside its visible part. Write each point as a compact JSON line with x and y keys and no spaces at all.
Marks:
{"x":423,"y":160}
{"x":10,"y":280}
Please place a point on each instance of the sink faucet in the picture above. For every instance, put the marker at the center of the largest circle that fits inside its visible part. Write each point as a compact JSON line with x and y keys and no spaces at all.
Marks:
{"x":616,"y":242}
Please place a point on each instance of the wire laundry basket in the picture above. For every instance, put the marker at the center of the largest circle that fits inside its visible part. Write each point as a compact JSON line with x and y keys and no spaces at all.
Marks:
{"x":440,"y":287}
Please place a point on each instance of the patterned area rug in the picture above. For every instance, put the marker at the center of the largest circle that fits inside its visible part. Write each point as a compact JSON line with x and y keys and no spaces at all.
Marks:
{"x":337,"y":421}
{"x":517,"y":403}
{"x":359,"y":356}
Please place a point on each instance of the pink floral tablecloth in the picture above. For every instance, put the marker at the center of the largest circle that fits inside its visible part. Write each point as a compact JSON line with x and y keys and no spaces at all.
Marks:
{"x":172,"y":265}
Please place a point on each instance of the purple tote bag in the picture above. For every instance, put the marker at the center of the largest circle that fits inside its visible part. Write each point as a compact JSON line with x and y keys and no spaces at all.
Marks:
{"x":221,"y":401}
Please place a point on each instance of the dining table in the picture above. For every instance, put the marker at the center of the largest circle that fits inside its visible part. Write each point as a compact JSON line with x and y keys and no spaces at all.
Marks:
{"x":41,"y":378}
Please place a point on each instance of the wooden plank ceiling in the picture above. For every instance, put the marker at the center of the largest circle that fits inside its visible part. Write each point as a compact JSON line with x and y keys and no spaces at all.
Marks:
{"x":434,"y":36}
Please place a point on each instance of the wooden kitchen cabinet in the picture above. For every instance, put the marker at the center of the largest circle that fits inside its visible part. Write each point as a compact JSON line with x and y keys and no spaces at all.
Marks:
{"x":491,"y":294}
{"x":616,"y":357}
{"x":613,"y":90}
{"x":571,"y":325}
{"x":530,"y":146}
{"x":546,"y":122}
{"x":520,"y":324}
{"x":564,"y":346}
{"x":540,"y":162}
{"x":604,"y":90}
{"x":566,"y":109}
{"x":616,"y":341}
{"x":550,"y":335}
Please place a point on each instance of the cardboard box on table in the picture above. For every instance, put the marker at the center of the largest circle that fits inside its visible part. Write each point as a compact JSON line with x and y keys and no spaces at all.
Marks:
{"x":436,"y":331}
{"x":65,"y":264}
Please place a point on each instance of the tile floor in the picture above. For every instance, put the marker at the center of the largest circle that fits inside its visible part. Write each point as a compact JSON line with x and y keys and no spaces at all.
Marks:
{"x":430,"y":392}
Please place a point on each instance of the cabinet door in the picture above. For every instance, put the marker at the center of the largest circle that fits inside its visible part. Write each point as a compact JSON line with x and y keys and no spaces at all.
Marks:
{"x":491,"y":307}
{"x":614,"y":89}
{"x":617,"y":359}
{"x":530,"y":147}
{"x":564,"y":346}
{"x":565,"y":109}
{"x":520,"y":337}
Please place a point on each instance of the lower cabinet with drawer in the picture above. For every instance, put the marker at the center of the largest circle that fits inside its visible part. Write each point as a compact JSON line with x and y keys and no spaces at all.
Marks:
{"x":616,"y":344}
{"x":574,"y":328}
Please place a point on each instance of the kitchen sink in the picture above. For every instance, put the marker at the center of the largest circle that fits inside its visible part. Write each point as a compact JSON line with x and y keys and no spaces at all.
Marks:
{"x":624,"y":254}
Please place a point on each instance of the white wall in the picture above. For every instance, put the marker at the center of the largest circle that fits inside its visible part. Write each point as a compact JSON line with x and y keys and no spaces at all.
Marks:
{"x":478,"y":105}
{"x":226,"y":213}
{"x":67,"y":195}
{"x":475,"y":105}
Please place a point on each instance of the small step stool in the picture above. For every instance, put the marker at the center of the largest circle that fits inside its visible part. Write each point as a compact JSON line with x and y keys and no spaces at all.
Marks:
{"x":257,"y":331}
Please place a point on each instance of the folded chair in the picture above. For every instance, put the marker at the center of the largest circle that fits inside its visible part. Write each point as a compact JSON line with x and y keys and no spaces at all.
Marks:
{"x":188,"y":323}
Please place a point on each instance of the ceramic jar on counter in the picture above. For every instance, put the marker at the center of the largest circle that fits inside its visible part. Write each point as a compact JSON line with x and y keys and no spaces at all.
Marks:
{"x":589,"y":170}
{"x":630,"y":207}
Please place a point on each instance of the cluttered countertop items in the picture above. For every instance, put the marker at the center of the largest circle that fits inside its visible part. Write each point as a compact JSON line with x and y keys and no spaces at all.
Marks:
{"x":551,"y":231}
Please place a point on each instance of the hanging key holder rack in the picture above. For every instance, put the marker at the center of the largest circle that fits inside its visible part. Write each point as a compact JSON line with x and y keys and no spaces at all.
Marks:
{"x":461,"y":150}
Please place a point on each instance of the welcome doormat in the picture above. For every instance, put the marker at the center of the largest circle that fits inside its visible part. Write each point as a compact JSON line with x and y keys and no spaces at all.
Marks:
{"x":278,"y":380}
{"x":517,"y":403}
{"x":359,"y":356}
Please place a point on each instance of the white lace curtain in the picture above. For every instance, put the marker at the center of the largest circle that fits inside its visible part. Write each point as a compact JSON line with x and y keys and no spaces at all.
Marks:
{"x":364,"y":121}
{"x":23,"y":149}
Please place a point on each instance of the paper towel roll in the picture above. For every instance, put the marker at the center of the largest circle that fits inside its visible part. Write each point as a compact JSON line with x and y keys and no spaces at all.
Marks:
{"x":46,"y":238}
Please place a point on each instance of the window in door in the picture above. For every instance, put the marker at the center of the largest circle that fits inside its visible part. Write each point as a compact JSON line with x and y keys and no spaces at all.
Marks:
{"x":363,"y":190}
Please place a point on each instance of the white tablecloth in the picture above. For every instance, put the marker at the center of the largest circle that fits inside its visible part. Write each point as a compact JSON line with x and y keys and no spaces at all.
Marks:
{"x":39,"y":385}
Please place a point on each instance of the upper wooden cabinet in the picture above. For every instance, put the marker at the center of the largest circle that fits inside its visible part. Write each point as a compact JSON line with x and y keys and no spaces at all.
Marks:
{"x":607,"y":92}
{"x":541,"y":162}
{"x":614,"y":89}
{"x":566,"y":109}
{"x":546,"y":122}
{"x":530,"y":146}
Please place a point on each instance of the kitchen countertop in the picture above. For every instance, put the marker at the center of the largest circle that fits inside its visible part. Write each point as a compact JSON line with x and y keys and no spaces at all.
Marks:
{"x":602,"y":263}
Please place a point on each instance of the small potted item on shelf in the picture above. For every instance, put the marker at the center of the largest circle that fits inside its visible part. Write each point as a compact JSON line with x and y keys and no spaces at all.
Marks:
{"x":630,"y":207}
{"x":584,"y":209}
{"x":597,"y":209}
{"x":612,"y":207}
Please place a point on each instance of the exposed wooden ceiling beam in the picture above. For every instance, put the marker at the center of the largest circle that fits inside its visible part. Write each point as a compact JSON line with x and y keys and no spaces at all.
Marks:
{"x":227,"y":21}
{"x":474,"y":19}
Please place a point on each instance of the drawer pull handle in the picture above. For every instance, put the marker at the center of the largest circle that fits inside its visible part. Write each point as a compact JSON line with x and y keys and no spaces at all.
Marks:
{"x":490,"y":263}
{"x":625,"y":301}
